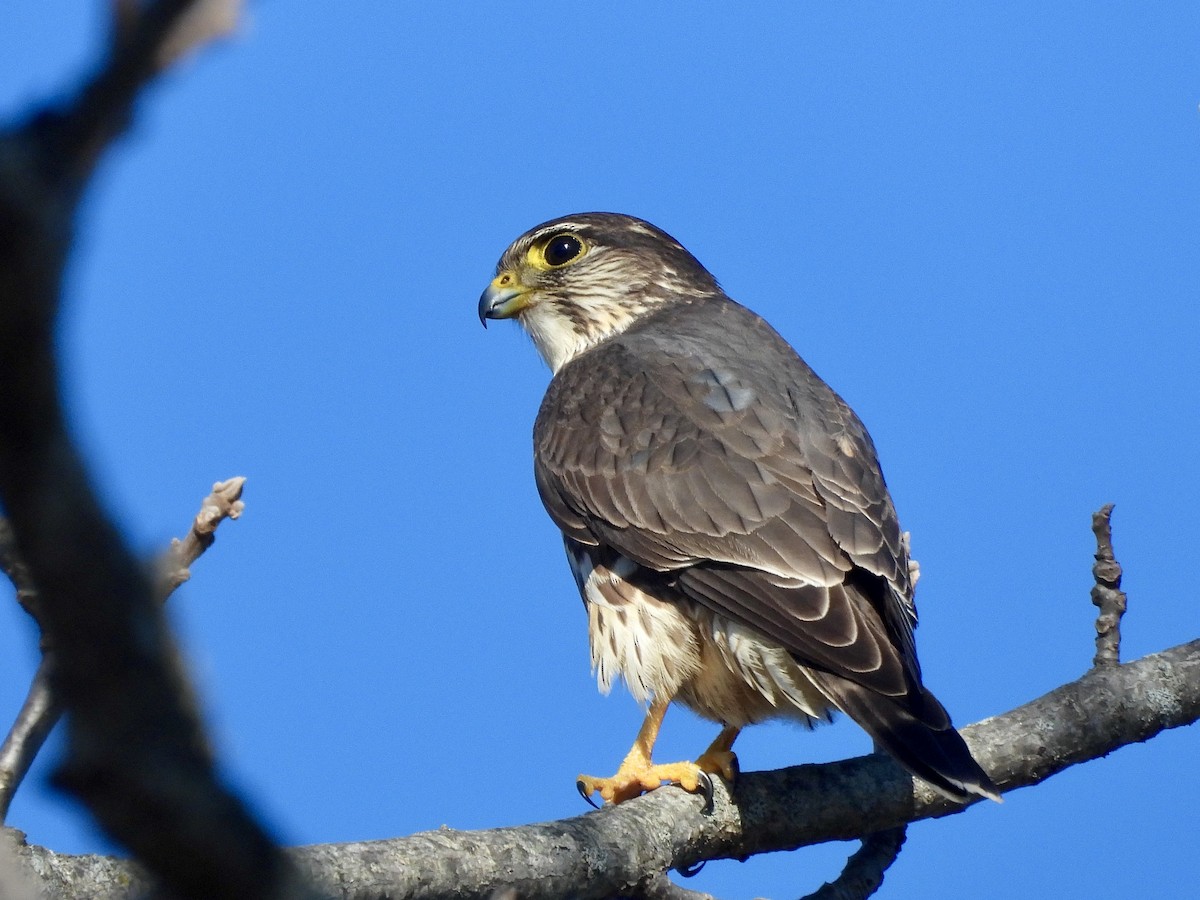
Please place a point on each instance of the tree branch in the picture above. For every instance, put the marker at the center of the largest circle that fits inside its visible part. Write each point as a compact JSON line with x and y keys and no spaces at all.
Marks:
{"x":40,"y":712}
{"x":614,"y":850}
{"x":136,"y":752}
{"x":34,"y":722}
{"x":864,"y":871}
{"x":223,"y":502}
{"x":1106,"y":592}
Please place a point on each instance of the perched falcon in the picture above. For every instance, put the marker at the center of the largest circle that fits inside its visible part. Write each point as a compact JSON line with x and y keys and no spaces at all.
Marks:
{"x":723,"y":511}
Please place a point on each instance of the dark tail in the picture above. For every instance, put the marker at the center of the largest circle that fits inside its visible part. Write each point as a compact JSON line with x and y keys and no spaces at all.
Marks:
{"x":917,"y":732}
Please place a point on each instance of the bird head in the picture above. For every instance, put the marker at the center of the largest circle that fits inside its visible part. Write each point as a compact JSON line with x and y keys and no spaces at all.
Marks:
{"x":577,"y":280}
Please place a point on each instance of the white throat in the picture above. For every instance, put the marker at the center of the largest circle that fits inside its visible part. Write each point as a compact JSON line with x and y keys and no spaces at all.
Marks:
{"x":560,"y":337}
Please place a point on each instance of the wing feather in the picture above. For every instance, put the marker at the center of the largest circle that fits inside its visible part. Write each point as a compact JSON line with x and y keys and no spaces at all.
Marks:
{"x":714,"y":453}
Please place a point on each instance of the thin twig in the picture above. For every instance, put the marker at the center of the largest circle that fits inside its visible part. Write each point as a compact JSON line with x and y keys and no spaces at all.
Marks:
{"x":40,"y":711}
{"x":224,"y":502}
{"x":1106,"y":592}
{"x":35,"y":720}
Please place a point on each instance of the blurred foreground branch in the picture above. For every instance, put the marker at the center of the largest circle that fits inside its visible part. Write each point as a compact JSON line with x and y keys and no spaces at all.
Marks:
{"x":611,"y":851}
{"x":136,"y":752}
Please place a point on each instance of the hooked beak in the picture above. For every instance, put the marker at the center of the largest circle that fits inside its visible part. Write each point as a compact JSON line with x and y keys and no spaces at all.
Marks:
{"x":503,"y":299}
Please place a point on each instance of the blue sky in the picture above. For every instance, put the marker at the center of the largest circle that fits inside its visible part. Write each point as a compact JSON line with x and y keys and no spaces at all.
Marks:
{"x":979,"y":224}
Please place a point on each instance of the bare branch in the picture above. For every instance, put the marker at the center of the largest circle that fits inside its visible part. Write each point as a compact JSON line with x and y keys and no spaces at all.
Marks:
{"x":202,"y":23}
{"x":35,"y":720}
{"x":1106,"y":592}
{"x":17,"y":571}
{"x":224,"y":502}
{"x":614,"y":850}
{"x":136,"y":753}
{"x":40,"y":712}
{"x":865,"y":869}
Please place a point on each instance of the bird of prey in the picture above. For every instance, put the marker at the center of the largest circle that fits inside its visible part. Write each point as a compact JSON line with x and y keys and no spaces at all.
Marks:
{"x":723,"y":510}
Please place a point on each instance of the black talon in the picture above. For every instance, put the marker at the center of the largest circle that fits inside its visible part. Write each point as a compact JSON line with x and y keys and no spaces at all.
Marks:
{"x":736,"y":767}
{"x":705,"y":785}
{"x":691,"y":871}
{"x":584,"y":793}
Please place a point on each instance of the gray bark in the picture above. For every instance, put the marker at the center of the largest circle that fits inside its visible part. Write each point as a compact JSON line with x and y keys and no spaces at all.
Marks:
{"x":615,"y":850}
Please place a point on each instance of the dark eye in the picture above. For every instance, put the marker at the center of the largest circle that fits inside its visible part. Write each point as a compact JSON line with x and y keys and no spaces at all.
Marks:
{"x":561,"y":249}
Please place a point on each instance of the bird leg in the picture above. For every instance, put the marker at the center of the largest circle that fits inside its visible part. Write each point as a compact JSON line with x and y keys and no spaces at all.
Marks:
{"x":719,"y":758}
{"x":637,"y":774}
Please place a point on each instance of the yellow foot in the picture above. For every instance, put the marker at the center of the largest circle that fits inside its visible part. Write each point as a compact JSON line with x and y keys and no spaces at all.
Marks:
{"x":719,"y":762}
{"x":634,"y":780}
{"x":719,"y":758}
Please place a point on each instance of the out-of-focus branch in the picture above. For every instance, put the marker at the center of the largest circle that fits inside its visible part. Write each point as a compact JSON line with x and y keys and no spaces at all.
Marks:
{"x":613,"y":851}
{"x":17,"y":571}
{"x":40,"y":713}
{"x":1106,"y":592}
{"x":136,"y":752}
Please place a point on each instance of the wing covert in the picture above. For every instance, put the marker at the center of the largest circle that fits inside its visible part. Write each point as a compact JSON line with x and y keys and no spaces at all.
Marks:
{"x":737,"y":468}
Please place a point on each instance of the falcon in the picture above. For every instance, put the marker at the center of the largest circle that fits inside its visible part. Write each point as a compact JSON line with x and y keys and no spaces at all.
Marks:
{"x":723,"y":510}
